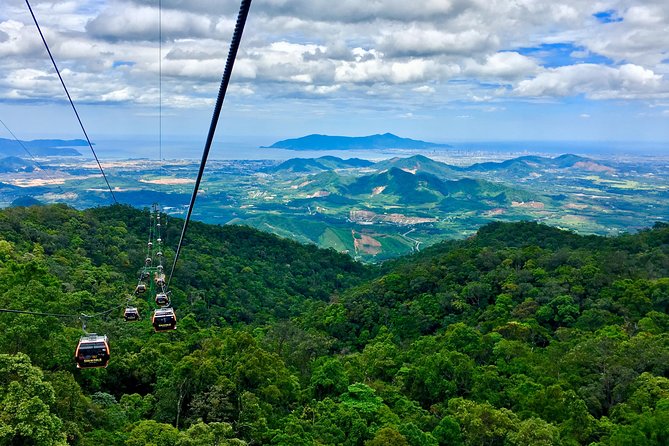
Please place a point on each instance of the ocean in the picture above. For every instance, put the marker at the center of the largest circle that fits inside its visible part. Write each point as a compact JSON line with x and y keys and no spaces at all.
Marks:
{"x":460,"y":153}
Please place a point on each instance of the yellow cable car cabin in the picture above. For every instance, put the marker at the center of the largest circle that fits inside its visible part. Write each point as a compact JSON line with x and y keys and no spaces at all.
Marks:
{"x":131,"y":314}
{"x":162,"y":299}
{"x":92,"y":352}
{"x":164,"y":319}
{"x":160,"y":280}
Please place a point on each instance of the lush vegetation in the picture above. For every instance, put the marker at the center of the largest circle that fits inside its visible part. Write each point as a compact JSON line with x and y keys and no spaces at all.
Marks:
{"x":520,"y":335}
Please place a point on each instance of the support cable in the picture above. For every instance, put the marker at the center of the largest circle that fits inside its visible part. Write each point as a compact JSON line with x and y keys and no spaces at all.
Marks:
{"x":160,"y":86}
{"x":53,"y":61}
{"x":232,"y":54}
{"x":62,"y":315}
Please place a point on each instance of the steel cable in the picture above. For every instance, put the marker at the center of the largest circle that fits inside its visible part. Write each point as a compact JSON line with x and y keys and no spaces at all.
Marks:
{"x":232,"y":54}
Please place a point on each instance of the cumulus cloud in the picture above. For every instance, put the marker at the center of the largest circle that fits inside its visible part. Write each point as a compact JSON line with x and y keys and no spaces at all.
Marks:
{"x":594,"y":81}
{"x":392,"y":50}
{"x":503,"y":65}
{"x":126,"y":21}
{"x":417,"y":41}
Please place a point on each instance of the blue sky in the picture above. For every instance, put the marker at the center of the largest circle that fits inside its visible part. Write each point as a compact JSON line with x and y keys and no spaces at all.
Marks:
{"x":441,"y":70}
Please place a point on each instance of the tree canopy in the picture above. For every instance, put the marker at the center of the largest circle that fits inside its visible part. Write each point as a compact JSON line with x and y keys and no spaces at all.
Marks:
{"x":523,"y":334}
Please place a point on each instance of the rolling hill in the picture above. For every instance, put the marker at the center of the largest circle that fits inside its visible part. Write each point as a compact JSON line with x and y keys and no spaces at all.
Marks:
{"x":16,"y":164}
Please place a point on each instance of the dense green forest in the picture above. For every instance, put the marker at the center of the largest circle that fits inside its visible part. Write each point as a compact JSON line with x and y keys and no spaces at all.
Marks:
{"x":520,"y":335}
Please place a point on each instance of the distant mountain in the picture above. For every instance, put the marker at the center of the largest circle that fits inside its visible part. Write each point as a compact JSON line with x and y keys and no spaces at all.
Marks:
{"x":325,"y":142}
{"x":333,"y":162}
{"x":526,"y":164}
{"x":420,"y":164}
{"x":16,"y":164}
{"x":308,"y":165}
{"x":42,"y":147}
{"x":25,"y":201}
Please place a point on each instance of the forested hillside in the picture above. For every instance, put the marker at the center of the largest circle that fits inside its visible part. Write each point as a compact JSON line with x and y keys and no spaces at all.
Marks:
{"x":520,"y":335}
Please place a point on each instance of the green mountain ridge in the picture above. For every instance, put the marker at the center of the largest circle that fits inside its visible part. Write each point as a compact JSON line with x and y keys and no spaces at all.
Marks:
{"x":318,"y":164}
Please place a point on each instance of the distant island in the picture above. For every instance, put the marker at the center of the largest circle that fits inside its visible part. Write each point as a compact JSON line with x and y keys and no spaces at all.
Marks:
{"x":371,"y":142}
{"x":42,"y":147}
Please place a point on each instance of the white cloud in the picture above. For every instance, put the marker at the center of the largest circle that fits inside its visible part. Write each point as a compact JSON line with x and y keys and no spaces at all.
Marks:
{"x":417,"y":41}
{"x":393,"y":50}
{"x":424,"y":89}
{"x":594,"y":81}
{"x":126,"y":21}
{"x":504,"y":65}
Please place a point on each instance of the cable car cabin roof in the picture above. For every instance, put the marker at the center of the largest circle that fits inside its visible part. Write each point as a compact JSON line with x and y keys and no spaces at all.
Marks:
{"x":92,"y":338}
{"x":164,"y":311}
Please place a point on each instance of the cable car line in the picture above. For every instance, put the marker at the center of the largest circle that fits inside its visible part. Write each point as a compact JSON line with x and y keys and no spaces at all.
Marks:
{"x":37,"y":313}
{"x":92,"y":351}
{"x":232,"y":55}
{"x":63,"y":315}
{"x":31,"y":156}
{"x":160,"y":86}
{"x":81,"y":124}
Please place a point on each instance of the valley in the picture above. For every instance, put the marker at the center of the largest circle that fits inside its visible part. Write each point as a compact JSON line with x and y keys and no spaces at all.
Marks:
{"x":372,"y":211}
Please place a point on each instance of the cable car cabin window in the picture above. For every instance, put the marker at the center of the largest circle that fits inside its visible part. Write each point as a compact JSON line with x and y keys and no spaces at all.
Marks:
{"x":164,"y":319}
{"x":92,"y":352}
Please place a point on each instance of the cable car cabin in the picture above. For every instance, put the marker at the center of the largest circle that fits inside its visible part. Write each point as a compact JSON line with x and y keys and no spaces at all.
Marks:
{"x":144,"y":275}
{"x":164,"y":319}
{"x":141,"y":288}
{"x":160,"y":280}
{"x":131,"y":314}
{"x":159,"y":254}
{"x":162,"y":299}
{"x":148,"y":261}
{"x":92,"y":351}
{"x":159,"y":240}
{"x":150,"y":245}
